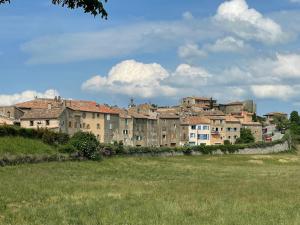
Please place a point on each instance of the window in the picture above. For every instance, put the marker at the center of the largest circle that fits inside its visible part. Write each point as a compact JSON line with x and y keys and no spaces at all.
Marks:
{"x":199,"y":127}
{"x":228,"y":129}
{"x":203,"y":136}
{"x":110,"y":126}
{"x":94,"y":115}
{"x":192,"y":135}
{"x":164,"y":136}
{"x":126,"y":122}
{"x":88,"y":126}
{"x":70,"y":124}
{"x":31,"y":123}
{"x":98,"y":115}
{"x":235,"y":129}
{"x":205,"y":127}
{"x":108,"y":117}
{"x":98,"y":126}
{"x":84,"y":115}
{"x":125,"y":131}
{"x":83,"y":125}
{"x":193,"y":127}
{"x":47,"y":122}
{"x":138,"y":138}
{"x":217,"y":129}
{"x":229,"y":137}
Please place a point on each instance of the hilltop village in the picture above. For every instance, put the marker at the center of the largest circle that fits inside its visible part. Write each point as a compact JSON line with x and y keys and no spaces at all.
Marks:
{"x":195,"y":121}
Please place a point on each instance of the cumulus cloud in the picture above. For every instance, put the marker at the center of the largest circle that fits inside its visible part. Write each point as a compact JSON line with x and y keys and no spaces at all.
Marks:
{"x":132,"y":78}
{"x":237,"y":17}
{"x":138,"y":79}
{"x":282,"y":92}
{"x":187,"y":15}
{"x":228,"y":44}
{"x":287,"y":65}
{"x":6,"y":100}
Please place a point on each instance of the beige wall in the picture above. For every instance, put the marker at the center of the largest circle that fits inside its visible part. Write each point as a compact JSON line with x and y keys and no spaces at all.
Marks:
{"x":86,"y":122}
{"x":232,"y":131}
{"x":199,"y":131}
{"x":6,"y":121}
{"x":54,"y":124}
{"x":125,"y":133}
{"x":218,"y":134}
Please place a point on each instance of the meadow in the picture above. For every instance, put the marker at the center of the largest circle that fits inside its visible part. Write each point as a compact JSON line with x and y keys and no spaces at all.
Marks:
{"x":214,"y":190}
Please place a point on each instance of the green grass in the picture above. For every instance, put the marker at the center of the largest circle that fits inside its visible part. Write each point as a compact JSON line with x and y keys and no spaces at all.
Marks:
{"x":212,"y":190}
{"x":19,"y":145}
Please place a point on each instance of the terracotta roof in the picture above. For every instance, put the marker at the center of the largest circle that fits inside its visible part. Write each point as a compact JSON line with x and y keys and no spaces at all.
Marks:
{"x":137,"y":115}
{"x":123,"y":113}
{"x":42,"y":114}
{"x":39,"y":103}
{"x":169,"y":116}
{"x":194,"y":120}
{"x":89,"y":106}
{"x":231,"y":119}
{"x":214,"y":113}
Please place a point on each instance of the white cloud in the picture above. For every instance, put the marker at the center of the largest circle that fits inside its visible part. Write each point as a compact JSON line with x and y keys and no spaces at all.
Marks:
{"x":295,"y":1}
{"x":282,"y":92}
{"x":133,"y":79}
{"x":237,"y":17}
{"x":228,"y":44}
{"x":6,"y":100}
{"x":287,"y":65}
{"x":190,"y":51}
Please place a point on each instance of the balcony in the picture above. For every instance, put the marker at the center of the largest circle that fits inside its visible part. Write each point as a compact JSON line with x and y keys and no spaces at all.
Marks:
{"x":213,"y":132}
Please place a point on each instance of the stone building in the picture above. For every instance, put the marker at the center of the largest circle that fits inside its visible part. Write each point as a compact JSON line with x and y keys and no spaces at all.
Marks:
{"x":145,"y":130}
{"x":218,"y":129}
{"x":51,"y":119}
{"x":236,"y":107}
{"x":232,"y":129}
{"x":256,"y":130}
{"x":169,"y":130}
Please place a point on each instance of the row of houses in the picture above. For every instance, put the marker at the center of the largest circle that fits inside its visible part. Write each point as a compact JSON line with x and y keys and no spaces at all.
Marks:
{"x":195,"y":121}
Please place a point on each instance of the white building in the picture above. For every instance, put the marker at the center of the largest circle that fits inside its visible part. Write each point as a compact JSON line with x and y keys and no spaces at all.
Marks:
{"x":199,"y":130}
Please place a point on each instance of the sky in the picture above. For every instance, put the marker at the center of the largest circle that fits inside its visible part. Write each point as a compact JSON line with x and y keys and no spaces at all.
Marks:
{"x":155,"y":51}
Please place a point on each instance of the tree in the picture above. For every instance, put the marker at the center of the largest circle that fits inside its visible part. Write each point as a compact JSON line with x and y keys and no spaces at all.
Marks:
{"x":94,"y":7}
{"x":294,"y":117}
{"x":281,"y":122}
{"x":246,"y":137}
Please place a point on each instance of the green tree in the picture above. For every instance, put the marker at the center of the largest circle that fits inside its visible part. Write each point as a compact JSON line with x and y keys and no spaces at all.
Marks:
{"x":94,"y":7}
{"x":246,"y":137}
{"x":281,"y":122}
{"x":294,"y":117}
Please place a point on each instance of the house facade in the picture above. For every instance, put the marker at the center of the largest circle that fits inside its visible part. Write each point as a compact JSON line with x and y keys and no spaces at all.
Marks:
{"x":169,"y":130}
{"x":199,"y":130}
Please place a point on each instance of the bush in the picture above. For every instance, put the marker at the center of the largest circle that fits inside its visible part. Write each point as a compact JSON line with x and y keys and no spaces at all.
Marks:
{"x":86,"y":144}
{"x":67,"y":148}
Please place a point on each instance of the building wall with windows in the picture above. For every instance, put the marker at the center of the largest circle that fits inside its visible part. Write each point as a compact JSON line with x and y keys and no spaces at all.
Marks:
{"x":169,"y":130}
{"x":218,"y":126}
{"x":125,"y":134}
{"x":51,"y":124}
{"x":232,"y":131}
{"x":111,"y":127}
{"x":256,"y":130}
{"x":199,"y":134}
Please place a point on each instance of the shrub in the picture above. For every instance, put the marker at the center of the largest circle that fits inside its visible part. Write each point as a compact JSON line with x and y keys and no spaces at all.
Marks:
{"x":86,"y":144}
{"x":67,"y":148}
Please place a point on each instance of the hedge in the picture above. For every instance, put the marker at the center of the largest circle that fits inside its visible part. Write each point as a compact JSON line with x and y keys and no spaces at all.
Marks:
{"x":47,"y":136}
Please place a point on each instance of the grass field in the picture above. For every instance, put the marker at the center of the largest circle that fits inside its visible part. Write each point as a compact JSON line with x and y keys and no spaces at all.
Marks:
{"x":231,"y":190}
{"x":19,"y":145}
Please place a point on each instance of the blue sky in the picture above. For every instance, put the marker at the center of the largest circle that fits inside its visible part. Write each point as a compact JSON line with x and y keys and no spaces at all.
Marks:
{"x":155,"y":51}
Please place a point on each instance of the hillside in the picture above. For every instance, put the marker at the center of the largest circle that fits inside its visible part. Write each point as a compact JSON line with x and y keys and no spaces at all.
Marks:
{"x":20,"y":145}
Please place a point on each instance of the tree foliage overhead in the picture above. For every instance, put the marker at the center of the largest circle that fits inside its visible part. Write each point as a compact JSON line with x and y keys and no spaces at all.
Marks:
{"x":94,"y":7}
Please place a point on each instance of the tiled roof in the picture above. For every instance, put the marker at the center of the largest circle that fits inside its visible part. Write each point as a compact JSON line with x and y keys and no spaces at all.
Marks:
{"x":194,"y":120}
{"x":42,"y":114}
{"x":214,"y":113}
{"x":169,"y":116}
{"x":231,"y":119}
{"x":39,"y":103}
{"x":90,"y":106}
